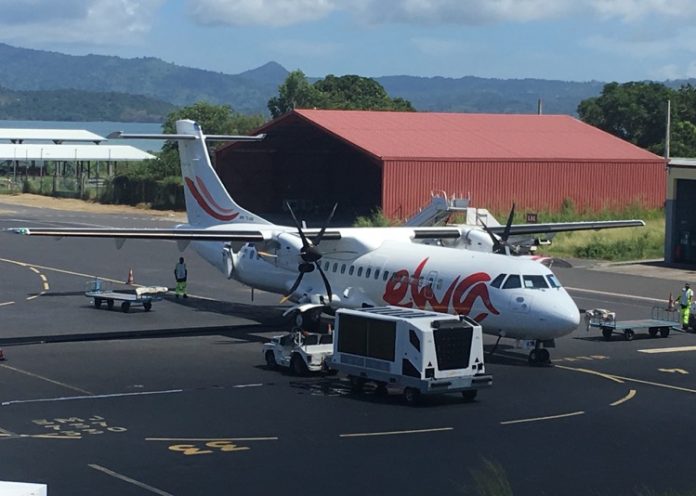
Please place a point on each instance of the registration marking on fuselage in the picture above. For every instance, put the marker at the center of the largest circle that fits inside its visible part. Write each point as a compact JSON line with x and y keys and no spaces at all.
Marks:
{"x":676,"y":349}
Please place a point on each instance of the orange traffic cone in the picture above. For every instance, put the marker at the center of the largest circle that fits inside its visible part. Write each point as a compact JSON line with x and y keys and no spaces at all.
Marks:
{"x":2,"y":355}
{"x":130,"y":277}
{"x":670,"y":303}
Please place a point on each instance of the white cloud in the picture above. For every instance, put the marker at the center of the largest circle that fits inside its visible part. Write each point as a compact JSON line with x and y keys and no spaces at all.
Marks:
{"x":632,"y":11}
{"x":260,"y":12}
{"x":303,"y":48}
{"x":76,"y":21}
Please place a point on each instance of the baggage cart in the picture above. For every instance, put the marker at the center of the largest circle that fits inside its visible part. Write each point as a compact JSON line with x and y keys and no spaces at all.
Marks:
{"x":102,"y":292}
{"x":662,"y":322}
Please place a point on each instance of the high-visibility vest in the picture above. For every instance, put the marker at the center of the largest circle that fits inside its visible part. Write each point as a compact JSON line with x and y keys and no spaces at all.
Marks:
{"x":180,"y":272}
{"x":686,"y":297}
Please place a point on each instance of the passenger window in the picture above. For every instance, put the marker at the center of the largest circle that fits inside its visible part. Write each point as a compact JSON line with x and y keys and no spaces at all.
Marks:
{"x":351,"y":270}
{"x":343,"y":269}
{"x":326,"y":265}
{"x":513,"y":281}
{"x":368,"y":271}
{"x":359,"y":271}
{"x":498,"y":281}
{"x":335,"y":267}
{"x":535,"y":282}
{"x":376,"y":273}
{"x":385,"y":275}
{"x":553,"y":281}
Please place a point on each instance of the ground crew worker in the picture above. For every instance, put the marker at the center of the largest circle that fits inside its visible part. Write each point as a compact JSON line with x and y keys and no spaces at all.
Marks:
{"x":687,"y":296}
{"x":180,"y":274}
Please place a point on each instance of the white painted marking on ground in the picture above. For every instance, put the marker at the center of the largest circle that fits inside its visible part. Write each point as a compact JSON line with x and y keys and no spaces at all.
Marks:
{"x":91,"y":397}
{"x":247,"y":385}
{"x":675,"y":349}
{"x":396,"y":433}
{"x":124,"y":478}
{"x":539,"y":419}
{"x":29,"y":298}
{"x":620,"y":295}
{"x":629,"y":396}
{"x":34,"y":269}
{"x":37,"y":376}
{"x":7,"y":303}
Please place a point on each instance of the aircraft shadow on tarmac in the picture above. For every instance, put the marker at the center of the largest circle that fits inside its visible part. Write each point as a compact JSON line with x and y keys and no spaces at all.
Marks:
{"x":264,"y":315}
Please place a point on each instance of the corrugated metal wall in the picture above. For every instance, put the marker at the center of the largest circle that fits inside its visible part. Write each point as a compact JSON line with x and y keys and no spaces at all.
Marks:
{"x":495,"y":185}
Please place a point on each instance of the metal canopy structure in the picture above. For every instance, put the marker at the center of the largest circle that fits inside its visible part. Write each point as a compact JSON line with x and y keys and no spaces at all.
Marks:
{"x":48,"y":152}
{"x":53,"y":135}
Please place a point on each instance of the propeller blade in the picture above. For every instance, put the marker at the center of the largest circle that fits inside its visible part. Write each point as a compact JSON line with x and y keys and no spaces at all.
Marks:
{"x":305,"y":243}
{"x":317,"y":240}
{"x":508,"y":225}
{"x":295,"y":285}
{"x":496,"y":241}
{"x":326,"y":282}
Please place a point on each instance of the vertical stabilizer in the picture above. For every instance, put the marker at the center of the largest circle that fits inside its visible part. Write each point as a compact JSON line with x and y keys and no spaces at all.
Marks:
{"x":207,"y":201}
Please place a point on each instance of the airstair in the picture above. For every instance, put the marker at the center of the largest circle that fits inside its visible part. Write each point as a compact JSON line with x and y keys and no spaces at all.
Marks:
{"x":442,"y":207}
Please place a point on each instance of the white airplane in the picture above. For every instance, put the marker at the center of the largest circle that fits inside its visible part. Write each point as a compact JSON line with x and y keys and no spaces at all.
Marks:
{"x":357,"y":267}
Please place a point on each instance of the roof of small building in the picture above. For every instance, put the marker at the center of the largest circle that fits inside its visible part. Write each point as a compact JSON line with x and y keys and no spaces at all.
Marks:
{"x":72,"y":152}
{"x":54,"y":135}
{"x":448,"y":136}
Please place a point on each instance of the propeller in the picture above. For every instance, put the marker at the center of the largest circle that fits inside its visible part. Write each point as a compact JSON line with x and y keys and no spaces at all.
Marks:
{"x":310,"y":254}
{"x":500,"y":244}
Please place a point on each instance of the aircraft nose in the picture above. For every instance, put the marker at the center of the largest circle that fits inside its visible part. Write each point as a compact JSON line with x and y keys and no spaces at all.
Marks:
{"x":560,"y":320}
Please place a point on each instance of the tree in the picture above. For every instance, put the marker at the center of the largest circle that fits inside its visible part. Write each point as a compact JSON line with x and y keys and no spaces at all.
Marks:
{"x":334,"y":92}
{"x":295,"y":92}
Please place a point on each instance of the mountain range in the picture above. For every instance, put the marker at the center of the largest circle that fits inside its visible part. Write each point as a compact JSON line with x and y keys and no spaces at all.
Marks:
{"x":36,"y":79}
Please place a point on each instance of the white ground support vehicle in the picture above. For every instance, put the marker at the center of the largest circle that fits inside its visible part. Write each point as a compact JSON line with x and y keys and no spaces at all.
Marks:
{"x":301,"y":352}
{"x":422,"y":352}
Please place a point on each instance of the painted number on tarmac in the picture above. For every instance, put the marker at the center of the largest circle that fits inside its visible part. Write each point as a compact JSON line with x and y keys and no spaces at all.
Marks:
{"x":77,"y":426}
{"x":196,"y":449}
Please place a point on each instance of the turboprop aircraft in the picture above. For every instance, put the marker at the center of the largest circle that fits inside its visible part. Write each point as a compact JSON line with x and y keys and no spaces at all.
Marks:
{"x":325,"y":269}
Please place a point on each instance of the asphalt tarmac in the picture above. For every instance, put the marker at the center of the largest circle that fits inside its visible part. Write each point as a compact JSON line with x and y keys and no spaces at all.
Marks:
{"x":177,"y":401}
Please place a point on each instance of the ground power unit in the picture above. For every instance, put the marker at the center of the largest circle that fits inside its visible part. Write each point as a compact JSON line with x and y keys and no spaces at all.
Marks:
{"x":419,"y":351}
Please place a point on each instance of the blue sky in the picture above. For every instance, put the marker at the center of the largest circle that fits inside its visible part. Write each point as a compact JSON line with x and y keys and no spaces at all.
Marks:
{"x":574,"y":40}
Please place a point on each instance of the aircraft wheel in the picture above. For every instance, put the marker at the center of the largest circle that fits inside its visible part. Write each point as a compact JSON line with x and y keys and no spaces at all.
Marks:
{"x":270,"y":360}
{"x":539,"y":356}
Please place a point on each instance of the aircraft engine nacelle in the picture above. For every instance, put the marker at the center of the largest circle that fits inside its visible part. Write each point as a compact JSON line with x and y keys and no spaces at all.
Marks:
{"x":476,"y":239}
{"x":288,"y":251}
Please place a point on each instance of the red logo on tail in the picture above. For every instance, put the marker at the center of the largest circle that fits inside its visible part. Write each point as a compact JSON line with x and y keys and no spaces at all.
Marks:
{"x":205,"y":200}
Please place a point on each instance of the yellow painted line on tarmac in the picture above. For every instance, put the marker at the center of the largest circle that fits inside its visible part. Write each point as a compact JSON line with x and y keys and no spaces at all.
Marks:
{"x":591,"y":372}
{"x":629,"y":396}
{"x":396,"y":433}
{"x":45,"y":286}
{"x":37,"y":376}
{"x":34,"y":269}
{"x":658,"y":384}
{"x":43,"y":277}
{"x":539,"y":419}
{"x":62,"y":271}
{"x":676,"y":349}
{"x":209,"y":439}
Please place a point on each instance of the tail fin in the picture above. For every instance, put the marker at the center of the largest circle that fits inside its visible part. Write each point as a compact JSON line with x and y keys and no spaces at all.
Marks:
{"x":207,"y":200}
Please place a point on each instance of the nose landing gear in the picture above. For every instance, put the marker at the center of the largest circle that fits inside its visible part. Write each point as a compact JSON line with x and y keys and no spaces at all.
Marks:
{"x":539,"y":355}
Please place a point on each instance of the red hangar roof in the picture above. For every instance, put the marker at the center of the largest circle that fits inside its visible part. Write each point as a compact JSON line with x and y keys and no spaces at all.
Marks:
{"x":450,"y":136}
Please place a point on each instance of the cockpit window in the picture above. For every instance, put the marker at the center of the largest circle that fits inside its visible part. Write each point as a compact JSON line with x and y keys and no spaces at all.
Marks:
{"x":513,"y":281}
{"x":498,"y":281}
{"x":553,"y":281}
{"x":534,"y":282}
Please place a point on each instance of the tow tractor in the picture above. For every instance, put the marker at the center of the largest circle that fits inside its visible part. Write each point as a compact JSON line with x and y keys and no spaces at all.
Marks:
{"x":300,"y":351}
{"x":662,"y":321}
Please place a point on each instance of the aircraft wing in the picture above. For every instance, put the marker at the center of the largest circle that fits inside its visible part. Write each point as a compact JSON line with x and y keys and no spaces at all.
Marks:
{"x":556,"y":227}
{"x":180,"y":234}
{"x":170,"y":234}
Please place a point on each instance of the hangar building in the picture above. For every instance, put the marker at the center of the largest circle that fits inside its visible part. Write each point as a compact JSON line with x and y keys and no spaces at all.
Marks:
{"x":680,"y":215}
{"x":394,"y":160}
